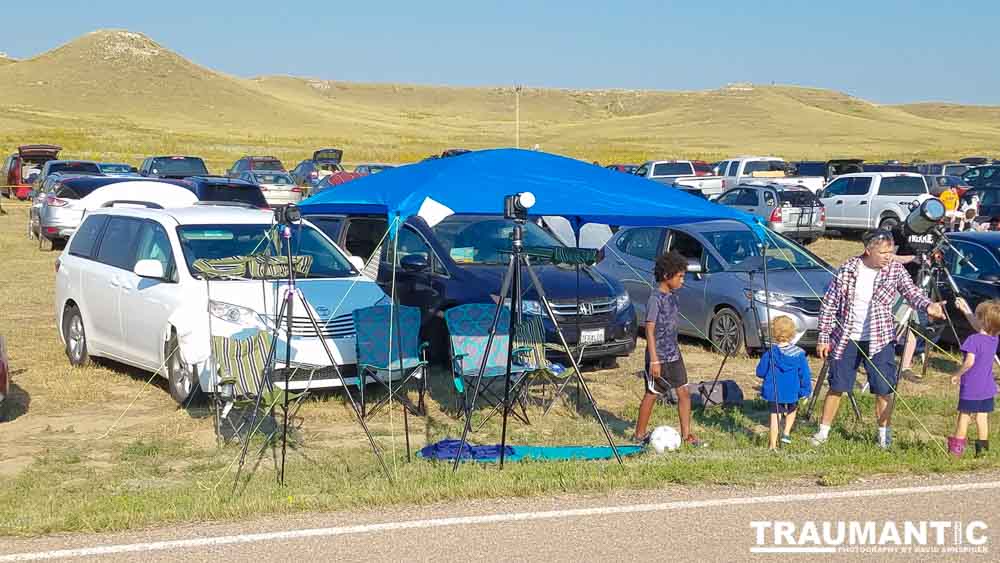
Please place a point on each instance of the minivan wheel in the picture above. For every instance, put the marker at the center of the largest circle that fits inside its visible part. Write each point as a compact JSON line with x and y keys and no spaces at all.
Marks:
{"x":726,"y":331}
{"x":888,"y":224}
{"x":75,"y":336}
{"x":181,"y":380}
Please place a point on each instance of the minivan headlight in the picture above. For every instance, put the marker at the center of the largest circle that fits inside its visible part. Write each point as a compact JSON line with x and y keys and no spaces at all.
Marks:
{"x":233,"y":313}
{"x":771,"y":298}
{"x":622,"y":302}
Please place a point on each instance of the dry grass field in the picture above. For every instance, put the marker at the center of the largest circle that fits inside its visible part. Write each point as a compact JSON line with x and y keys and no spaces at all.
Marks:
{"x":103,"y":448}
{"x":118,"y":95}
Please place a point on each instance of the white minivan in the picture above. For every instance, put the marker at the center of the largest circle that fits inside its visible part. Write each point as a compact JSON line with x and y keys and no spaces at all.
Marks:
{"x":126,"y":289}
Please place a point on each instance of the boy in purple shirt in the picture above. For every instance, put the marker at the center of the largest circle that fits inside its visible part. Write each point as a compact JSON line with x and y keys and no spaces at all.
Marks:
{"x":664,"y":364}
{"x":978,"y":389}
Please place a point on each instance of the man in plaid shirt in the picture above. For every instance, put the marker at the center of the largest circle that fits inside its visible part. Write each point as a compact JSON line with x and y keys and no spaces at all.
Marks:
{"x":857,"y":321}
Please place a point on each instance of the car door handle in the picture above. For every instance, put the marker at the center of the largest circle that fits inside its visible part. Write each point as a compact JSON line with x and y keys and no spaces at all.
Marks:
{"x":863,"y":203}
{"x":115,"y":282}
{"x":838,"y":202}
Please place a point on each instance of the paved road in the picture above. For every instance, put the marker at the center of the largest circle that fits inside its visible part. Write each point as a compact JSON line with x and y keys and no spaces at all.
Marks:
{"x":676,"y":524}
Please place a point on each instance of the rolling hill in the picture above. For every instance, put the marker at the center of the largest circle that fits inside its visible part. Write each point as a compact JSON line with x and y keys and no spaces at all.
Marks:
{"x":119,"y":95}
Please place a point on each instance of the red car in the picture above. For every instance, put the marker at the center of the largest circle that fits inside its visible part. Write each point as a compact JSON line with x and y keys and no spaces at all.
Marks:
{"x":19,"y":168}
{"x":625,"y":168}
{"x":702,"y":168}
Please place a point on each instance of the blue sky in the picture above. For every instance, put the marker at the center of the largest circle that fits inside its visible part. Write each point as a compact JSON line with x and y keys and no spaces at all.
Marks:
{"x":884,"y":51}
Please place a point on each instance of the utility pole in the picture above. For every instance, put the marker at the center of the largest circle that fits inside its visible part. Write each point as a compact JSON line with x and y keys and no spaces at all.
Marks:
{"x":517,"y":116}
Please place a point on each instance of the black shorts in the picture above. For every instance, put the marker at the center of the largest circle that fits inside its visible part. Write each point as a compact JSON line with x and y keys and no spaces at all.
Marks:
{"x":672,"y":375}
{"x":782,"y":408}
{"x":973,"y":406}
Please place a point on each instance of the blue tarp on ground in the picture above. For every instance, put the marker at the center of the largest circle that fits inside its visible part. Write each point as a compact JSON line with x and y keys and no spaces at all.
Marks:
{"x":448,"y":449}
{"x":476,"y":183}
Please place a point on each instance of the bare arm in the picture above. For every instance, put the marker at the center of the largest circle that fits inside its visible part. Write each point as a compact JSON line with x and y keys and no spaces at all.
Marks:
{"x":970,"y":359}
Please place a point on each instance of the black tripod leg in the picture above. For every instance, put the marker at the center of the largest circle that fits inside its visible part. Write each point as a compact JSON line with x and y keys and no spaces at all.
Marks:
{"x":579,"y":374}
{"x":854,"y":406}
{"x":820,"y":380}
{"x":504,"y":287}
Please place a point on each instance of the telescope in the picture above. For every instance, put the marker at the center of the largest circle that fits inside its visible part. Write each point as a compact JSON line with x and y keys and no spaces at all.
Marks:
{"x":926,"y":216}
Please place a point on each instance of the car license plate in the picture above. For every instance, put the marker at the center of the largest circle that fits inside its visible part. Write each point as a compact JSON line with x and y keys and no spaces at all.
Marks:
{"x":592,"y":336}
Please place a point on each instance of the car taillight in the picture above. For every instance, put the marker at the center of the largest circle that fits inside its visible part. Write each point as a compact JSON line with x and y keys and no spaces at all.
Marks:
{"x":263,"y":189}
{"x":296,"y":189}
{"x":775,"y":215}
{"x":53,"y":201}
{"x":822,"y":215}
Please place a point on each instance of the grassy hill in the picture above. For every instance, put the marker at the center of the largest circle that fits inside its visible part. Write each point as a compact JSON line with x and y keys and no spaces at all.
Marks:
{"x":119,"y":95}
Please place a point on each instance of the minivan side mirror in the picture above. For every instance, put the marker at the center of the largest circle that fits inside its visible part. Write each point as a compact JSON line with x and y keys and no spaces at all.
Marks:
{"x":152,"y":269}
{"x":694,"y":266}
{"x":414,"y":263}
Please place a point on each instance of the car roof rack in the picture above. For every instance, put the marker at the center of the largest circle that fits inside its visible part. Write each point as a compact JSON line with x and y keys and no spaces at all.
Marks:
{"x":146,"y":204}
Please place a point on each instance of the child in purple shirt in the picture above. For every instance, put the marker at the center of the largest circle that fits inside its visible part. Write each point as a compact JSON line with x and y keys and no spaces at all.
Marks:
{"x":977,"y":387}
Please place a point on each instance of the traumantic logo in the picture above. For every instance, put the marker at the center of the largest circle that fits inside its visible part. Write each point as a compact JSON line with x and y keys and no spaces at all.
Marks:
{"x":930,"y":536}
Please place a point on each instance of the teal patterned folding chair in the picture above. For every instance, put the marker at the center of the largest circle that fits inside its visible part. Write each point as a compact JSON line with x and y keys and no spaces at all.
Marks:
{"x":395,"y":365}
{"x":468,"y":331}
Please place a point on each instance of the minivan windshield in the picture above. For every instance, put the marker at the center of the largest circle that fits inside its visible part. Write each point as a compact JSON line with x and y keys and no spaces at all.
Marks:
{"x":226,"y":241}
{"x":741,"y":250}
{"x":486,"y":240}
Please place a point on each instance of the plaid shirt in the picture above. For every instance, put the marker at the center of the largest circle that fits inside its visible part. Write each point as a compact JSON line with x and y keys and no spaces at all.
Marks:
{"x":837,"y":314}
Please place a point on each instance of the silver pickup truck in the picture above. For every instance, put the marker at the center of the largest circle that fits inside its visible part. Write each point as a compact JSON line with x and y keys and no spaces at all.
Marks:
{"x":871,"y":199}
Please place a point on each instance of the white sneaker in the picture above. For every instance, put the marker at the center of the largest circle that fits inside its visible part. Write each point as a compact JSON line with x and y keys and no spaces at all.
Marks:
{"x":818,"y":439}
{"x":887,"y":443}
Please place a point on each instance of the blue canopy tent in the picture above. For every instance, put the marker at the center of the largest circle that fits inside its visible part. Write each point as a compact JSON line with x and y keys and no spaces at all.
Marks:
{"x":476,"y":183}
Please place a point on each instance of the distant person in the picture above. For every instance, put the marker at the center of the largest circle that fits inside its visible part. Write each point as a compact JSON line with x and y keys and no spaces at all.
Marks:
{"x":949,"y":197}
{"x":787,"y":379}
{"x":856,"y":325}
{"x":664,"y":364}
{"x":977,"y":389}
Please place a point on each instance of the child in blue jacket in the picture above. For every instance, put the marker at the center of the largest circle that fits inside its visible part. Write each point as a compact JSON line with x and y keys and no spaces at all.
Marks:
{"x":786,"y":376}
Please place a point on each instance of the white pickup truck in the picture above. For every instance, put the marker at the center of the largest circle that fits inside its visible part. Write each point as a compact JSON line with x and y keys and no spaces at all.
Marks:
{"x":740,"y":170}
{"x":680,"y":174}
{"x":871,"y":199}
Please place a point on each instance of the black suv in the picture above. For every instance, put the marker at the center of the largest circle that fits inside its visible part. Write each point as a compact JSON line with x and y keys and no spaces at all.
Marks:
{"x":220,"y":189}
{"x":250,"y":163}
{"x":176,"y":167}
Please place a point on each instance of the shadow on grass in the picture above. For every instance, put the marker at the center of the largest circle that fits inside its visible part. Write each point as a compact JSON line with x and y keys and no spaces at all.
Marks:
{"x":16,"y":404}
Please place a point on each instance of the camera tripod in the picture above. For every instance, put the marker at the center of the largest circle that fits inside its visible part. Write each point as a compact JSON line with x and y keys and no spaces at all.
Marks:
{"x":512,"y":284}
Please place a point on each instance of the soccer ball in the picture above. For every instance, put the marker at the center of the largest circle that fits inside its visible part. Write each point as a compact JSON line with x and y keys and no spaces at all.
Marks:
{"x":664,"y":438}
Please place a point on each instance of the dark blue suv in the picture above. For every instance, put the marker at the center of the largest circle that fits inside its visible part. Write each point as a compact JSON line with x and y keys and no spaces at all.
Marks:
{"x":223,"y":189}
{"x":463,"y":259}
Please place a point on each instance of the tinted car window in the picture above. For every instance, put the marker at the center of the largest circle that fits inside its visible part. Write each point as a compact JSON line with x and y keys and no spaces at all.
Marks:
{"x":837,"y":187}
{"x":902,"y":185}
{"x":74,"y":168}
{"x":730,"y":197}
{"x":982,"y":258}
{"x":642,"y":243}
{"x":811,"y":168}
{"x":118,"y":244}
{"x":486,"y":240}
{"x":154,"y":244}
{"x":86,"y":236}
{"x":747,"y":197}
{"x":272,"y":178}
{"x":733,"y":167}
{"x":858,"y":186}
{"x":798,"y":198}
{"x":178,"y":166}
{"x":955,"y":169}
{"x":329,"y":225}
{"x":672,"y":169}
{"x":364,"y":235}
{"x":115,"y":168}
{"x":266,"y":164}
{"x":238,"y":193}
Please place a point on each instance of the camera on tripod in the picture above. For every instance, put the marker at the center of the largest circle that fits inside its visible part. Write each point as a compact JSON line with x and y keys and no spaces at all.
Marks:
{"x":516,"y":206}
{"x":287,"y":214}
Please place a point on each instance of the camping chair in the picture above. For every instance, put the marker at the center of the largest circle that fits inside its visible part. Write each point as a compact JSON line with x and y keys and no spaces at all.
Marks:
{"x":468,"y":331}
{"x":404,"y":359}
{"x":530,"y":336}
{"x":241,"y":363}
